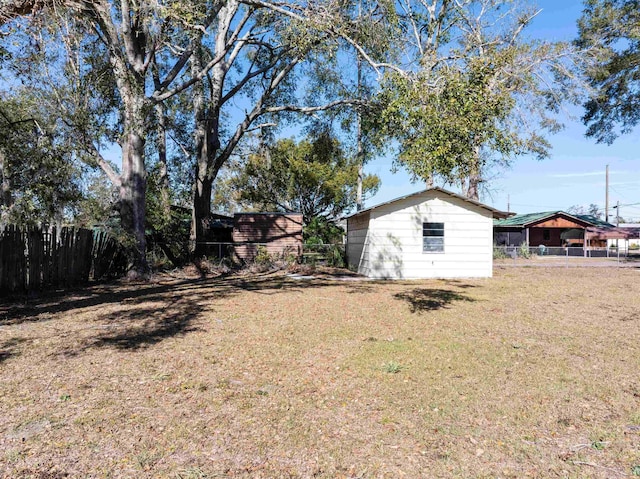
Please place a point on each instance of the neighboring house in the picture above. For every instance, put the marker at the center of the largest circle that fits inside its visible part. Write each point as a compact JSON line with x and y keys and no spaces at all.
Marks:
{"x":279,"y":233}
{"x":550,"y":228}
{"x":431,"y":234}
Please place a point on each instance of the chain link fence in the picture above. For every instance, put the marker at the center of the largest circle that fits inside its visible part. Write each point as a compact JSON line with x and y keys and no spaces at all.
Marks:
{"x":315,"y":254}
{"x":526,"y":252}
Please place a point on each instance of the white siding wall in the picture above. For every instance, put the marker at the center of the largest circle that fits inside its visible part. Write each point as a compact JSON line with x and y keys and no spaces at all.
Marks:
{"x":358,"y":243}
{"x":395,"y":239}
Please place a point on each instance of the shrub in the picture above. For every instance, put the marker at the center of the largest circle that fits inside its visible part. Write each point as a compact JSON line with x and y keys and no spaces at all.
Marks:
{"x":263,"y":258}
{"x":499,"y":253}
{"x":263,"y":261}
{"x":523,"y":251}
{"x":336,"y":256}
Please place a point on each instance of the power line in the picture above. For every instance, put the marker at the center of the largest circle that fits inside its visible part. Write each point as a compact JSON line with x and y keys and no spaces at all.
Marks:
{"x":621,"y":194}
{"x":629,"y":204}
{"x":555,"y":207}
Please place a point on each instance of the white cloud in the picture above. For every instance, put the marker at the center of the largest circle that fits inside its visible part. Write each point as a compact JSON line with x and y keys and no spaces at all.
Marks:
{"x":587,"y":173}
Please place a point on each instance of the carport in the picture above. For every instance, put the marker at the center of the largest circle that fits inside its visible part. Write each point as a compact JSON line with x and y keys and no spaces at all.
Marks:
{"x":598,"y":234}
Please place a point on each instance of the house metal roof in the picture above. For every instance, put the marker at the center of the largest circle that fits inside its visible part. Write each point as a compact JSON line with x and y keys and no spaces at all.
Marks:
{"x":525,"y":220}
{"x":496,"y":213}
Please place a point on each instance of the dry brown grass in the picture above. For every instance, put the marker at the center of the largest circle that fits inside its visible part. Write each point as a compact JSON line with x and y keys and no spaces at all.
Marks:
{"x":533,"y":373}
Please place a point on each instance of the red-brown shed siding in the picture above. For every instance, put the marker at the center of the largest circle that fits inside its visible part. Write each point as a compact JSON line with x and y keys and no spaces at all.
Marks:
{"x":281,"y":233}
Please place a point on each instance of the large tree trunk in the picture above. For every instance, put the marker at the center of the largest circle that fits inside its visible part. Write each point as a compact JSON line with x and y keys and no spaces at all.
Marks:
{"x":475,"y":178}
{"x":473,"y":192}
{"x":206,"y":170}
{"x":127,"y":44}
{"x":133,"y":185}
{"x":165,"y":193}
{"x":161,"y":133}
{"x":201,"y":187}
{"x":201,"y":209}
{"x":132,"y":200}
{"x":206,"y":136}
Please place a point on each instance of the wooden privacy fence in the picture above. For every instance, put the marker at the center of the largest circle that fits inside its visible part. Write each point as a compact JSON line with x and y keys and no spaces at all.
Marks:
{"x":33,"y":259}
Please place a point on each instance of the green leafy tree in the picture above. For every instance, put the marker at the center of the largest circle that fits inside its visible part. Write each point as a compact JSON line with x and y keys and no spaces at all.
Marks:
{"x":480,"y":94}
{"x":312,"y":177}
{"x":609,"y":30}
{"x":445,"y":130}
{"x":98,"y":205}
{"x":322,"y":231}
{"x":40,"y":181}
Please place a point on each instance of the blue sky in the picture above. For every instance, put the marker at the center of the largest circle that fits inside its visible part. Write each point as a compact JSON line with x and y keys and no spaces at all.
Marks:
{"x":574,"y":174}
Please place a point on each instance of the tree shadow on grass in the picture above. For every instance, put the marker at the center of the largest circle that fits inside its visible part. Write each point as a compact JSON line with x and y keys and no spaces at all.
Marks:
{"x":456,"y":283}
{"x":52,"y":304}
{"x":141,"y":324}
{"x":130,"y":317}
{"x":10,"y":348}
{"x":40,"y":474}
{"x":144,"y":327}
{"x":430,"y":299}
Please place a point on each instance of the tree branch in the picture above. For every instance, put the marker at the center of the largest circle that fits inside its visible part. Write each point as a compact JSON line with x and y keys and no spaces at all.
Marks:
{"x":249,"y":76}
{"x":313,"y":109}
{"x":258,"y":110}
{"x":377,"y":66}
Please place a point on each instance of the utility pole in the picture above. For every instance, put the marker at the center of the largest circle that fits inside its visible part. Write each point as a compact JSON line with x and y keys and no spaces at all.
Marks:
{"x":617,"y":225}
{"x":606,"y":201}
{"x":508,"y":203}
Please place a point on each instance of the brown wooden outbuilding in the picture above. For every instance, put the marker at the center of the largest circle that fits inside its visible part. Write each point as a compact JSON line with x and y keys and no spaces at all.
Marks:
{"x":279,"y":233}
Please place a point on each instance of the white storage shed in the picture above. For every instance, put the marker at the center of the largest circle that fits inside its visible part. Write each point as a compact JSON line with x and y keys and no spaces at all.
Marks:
{"x":430,"y":234}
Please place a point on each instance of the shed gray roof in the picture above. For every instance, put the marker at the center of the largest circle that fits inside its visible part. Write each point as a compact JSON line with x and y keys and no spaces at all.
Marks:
{"x":496,"y":213}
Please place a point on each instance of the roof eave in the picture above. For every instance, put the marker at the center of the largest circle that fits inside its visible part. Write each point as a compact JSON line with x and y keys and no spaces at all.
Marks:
{"x":497,"y":214}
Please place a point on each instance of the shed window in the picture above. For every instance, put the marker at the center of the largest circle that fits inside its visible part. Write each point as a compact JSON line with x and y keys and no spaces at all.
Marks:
{"x":546,"y":235}
{"x":433,"y":237}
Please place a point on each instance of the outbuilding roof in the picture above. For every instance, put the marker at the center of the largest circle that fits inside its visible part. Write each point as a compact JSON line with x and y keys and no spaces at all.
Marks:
{"x":496,"y":213}
{"x":528,"y":219}
{"x":600,"y":233}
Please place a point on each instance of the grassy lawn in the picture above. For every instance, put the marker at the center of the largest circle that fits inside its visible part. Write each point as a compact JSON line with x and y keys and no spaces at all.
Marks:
{"x":533,"y":373}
